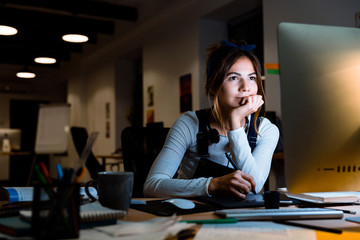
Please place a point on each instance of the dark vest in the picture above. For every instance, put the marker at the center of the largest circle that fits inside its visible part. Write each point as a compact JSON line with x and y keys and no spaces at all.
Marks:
{"x":208,"y":135}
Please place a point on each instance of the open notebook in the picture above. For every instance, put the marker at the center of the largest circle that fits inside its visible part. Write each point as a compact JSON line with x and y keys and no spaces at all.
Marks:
{"x":89,"y":213}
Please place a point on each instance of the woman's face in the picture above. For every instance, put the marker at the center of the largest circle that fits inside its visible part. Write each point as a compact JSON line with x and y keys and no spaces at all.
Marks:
{"x":239,"y":82}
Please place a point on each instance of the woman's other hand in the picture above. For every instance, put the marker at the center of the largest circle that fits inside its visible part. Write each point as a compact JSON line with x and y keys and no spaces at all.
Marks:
{"x":247,"y":106}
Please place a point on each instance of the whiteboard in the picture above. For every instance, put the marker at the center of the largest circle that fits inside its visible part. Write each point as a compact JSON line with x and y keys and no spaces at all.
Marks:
{"x":52,"y":129}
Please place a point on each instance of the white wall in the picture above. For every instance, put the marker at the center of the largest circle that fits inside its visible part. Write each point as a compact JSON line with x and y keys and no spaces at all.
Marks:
{"x":165,"y":59}
{"x":175,"y":48}
{"x":209,"y":31}
{"x":125,"y":76}
{"x":323,"y":12}
{"x":100,"y":90}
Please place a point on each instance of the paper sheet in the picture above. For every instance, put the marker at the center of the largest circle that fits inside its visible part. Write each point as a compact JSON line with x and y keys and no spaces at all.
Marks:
{"x":154,"y":229}
{"x":93,"y":234}
{"x":253,"y":230}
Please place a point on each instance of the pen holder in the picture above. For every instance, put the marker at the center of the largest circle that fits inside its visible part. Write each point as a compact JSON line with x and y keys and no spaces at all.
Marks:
{"x":58,"y":216}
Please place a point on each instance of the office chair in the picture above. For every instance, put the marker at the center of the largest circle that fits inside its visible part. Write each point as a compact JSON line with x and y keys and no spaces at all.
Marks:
{"x":80,"y":136}
{"x":140,"y":147}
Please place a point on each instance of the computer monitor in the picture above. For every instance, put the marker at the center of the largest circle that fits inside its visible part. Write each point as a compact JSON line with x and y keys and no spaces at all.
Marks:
{"x":320,"y":106}
{"x":14,"y":135}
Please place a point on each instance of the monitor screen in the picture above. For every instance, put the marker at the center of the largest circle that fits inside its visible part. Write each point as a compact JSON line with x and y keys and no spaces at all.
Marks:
{"x":320,"y":106}
{"x":14,"y":135}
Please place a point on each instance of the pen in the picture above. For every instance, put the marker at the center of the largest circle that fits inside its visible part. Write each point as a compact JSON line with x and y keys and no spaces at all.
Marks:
{"x":45,"y":172}
{"x":219,"y":220}
{"x":39,"y":174}
{"x":228,"y":156}
{"x":79,"y":174}
{"x":59,"y":171}
{"x":42,"y":179}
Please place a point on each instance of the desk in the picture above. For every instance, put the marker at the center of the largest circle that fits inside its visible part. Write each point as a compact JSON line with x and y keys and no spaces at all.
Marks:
{"x":350,"y":230}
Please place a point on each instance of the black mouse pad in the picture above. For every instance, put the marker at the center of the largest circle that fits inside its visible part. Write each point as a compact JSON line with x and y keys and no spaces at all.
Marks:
{"x":160,"y":209}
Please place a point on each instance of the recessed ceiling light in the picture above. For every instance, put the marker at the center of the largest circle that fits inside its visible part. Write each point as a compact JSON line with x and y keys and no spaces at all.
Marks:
{"x":25,"y":73}
{"x":7,"y":30}
{"x":75,"y":38}
{"x":45,"y":60}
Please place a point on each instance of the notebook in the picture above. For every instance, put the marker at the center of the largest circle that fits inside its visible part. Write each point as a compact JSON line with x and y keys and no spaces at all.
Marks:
{"x":89,"y":213}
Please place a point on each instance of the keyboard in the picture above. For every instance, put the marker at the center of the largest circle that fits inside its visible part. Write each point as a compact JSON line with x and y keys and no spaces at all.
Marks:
{"x":281,"y":214}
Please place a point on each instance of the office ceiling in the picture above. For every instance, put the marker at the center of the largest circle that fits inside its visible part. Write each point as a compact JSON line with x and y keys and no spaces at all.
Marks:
{"x":41,"y":24}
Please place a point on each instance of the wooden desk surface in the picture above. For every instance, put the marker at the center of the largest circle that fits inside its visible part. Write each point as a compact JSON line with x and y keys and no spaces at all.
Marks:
{"x":350,"y":230}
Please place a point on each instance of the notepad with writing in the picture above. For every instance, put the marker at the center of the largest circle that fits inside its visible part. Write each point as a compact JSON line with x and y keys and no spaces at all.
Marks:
{"x":326,"y":197}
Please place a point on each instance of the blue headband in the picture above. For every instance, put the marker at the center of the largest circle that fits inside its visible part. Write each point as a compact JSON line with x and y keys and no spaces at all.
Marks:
{"x":219,"y":54}
{"x":246,"y":48}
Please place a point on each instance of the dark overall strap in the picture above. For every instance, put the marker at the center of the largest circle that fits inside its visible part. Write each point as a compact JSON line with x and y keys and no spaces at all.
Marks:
{"x":203,"y":121}
{"x":252,"y":133}
{"x":202,"y":135}
{"x":206,"y":167}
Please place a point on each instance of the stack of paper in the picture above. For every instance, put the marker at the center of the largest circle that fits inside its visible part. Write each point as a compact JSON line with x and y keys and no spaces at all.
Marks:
{"x":326,"y":197}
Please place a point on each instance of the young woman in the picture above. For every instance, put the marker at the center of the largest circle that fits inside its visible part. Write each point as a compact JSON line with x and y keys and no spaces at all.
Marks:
{"x":233,"y":85}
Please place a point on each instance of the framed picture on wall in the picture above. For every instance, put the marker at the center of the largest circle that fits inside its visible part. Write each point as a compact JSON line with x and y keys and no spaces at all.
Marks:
{"x":150,"y":93}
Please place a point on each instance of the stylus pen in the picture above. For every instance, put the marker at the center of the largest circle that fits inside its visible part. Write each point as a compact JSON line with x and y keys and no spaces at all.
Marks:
{"x":331,"y":230}
{"x":228,"y":156}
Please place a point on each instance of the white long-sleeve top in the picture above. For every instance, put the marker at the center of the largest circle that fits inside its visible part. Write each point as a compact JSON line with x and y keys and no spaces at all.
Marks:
{"x":179,"y":155}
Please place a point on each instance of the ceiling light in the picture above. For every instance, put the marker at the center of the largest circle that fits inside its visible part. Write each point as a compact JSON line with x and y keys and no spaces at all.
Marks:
{"x":25,"y":73}
{"x":75,"y":38}
{"x":7,"y":30}
{"x":45,"y":60}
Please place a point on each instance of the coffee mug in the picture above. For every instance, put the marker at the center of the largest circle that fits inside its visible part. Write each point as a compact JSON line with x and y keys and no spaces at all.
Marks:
{"x":114,"y":189}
